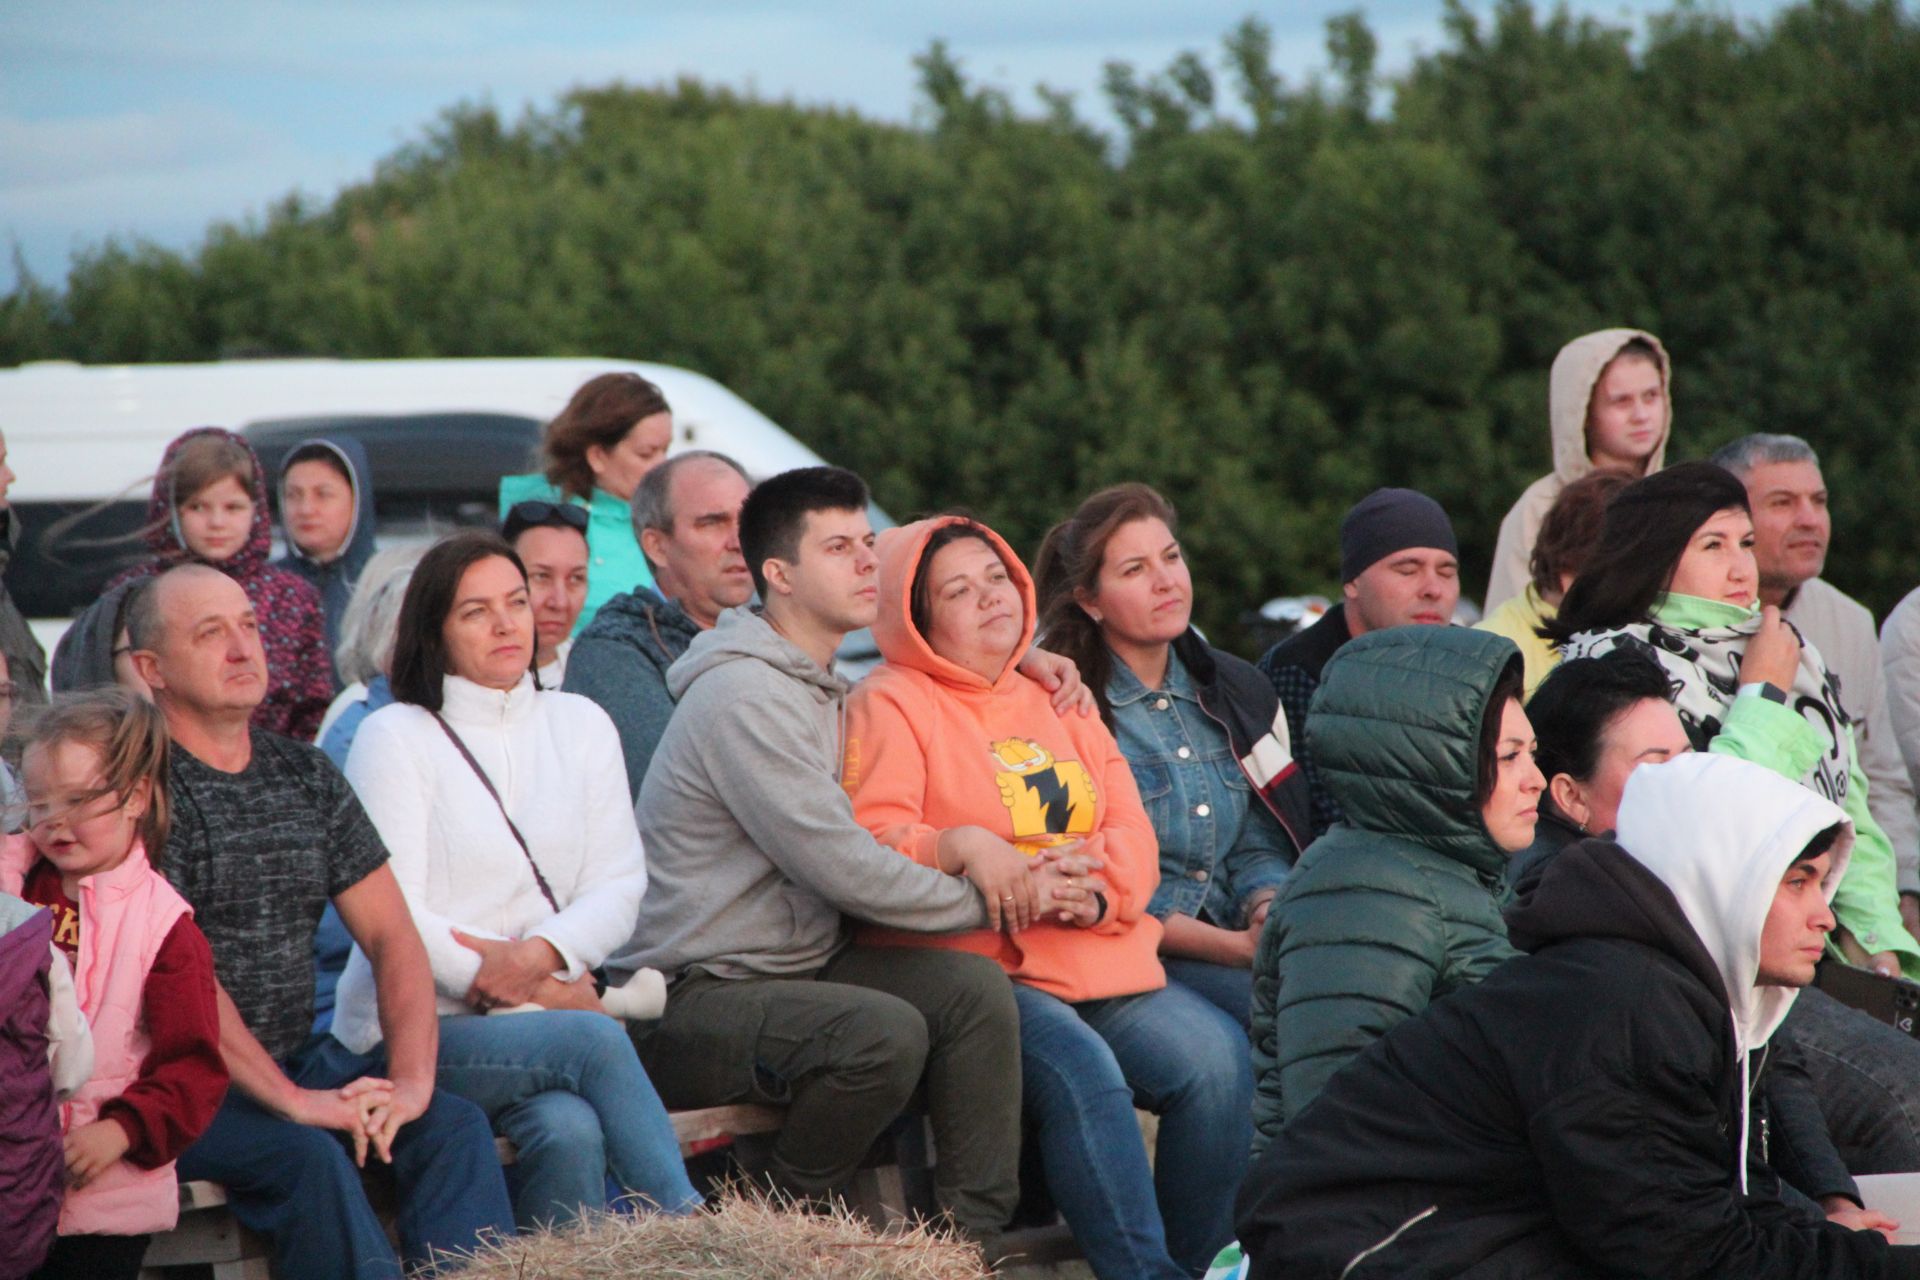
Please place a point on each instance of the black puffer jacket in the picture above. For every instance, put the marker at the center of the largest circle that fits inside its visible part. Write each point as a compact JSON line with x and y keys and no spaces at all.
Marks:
{"x":1575,"y":1115}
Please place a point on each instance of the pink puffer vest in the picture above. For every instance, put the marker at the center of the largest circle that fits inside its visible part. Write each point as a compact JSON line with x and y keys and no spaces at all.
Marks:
{"x":125,"y":915}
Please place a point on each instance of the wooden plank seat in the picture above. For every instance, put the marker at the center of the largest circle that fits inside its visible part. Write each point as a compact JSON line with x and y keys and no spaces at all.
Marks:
{"x":208,"y":1235}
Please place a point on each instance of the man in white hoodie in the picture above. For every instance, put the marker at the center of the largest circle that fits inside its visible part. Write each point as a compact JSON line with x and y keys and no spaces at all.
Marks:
{"x":1608,"y":405}
{"x":1589,"y":1109}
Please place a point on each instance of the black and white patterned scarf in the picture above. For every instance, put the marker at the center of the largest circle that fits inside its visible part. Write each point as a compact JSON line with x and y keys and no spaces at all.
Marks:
{"x":1704,"y":663}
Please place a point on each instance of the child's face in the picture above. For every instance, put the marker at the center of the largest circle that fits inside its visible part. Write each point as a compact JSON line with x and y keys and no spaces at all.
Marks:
{"x":75,"y":827}
{"x":216,"y":522}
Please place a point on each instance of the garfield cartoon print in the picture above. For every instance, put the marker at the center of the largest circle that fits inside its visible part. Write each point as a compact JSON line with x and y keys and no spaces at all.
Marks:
{"x":1049,"y":801}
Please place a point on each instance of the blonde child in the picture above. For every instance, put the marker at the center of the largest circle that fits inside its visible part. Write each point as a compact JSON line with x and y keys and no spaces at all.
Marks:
{"x":95,"y":773}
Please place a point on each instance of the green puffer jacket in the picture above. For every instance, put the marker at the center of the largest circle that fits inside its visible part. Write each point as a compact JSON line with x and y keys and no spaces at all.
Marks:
{"x":1398,"y":905}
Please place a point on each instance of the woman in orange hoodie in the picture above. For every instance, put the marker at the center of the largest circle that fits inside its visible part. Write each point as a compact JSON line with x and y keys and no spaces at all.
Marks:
{"x":946,"y":733}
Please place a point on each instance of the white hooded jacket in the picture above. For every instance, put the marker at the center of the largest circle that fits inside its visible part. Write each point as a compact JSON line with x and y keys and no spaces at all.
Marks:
{"x":1723,"y":863}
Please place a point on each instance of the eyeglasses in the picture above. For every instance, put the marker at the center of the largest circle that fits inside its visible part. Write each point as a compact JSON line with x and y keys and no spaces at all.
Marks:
{"x":538,"y":513}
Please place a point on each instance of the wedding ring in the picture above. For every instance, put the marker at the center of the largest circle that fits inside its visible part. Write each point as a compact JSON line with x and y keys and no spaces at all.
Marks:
{"x":1006,"y":897}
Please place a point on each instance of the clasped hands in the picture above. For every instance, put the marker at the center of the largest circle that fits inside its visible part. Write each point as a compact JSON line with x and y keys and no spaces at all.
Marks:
{"x":517,"y":973}
{"x":370,"y":1111}
{"x":1061,"y":882}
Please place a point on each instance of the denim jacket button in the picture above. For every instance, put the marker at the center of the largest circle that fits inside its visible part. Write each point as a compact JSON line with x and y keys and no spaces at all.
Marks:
{"x":1201,"y":876}
{"x":1184,"y":752}
{"x":1160,"y":704}
{"x":1202,"y":810}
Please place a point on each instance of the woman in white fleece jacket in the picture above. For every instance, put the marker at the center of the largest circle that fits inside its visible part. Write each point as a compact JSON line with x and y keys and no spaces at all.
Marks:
{"x":469,"y":761}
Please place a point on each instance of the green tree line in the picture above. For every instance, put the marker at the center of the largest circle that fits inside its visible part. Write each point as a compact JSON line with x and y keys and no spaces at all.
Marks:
{"x":1264,"y":297}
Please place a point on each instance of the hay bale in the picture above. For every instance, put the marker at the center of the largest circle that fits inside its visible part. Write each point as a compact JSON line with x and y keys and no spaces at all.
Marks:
{"x":744,"y":1237}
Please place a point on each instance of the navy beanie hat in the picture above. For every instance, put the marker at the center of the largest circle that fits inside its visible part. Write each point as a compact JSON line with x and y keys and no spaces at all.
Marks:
{"x":1390,"y":520}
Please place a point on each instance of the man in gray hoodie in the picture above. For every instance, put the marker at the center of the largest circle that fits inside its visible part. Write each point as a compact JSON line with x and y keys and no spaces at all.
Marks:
{"x":755,"y":860}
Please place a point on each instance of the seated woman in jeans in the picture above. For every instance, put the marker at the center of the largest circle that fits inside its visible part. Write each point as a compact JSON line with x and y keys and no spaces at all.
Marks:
{"x":1202,"y":729}
{"x":947,"y":734}
{"x":506,"y":812}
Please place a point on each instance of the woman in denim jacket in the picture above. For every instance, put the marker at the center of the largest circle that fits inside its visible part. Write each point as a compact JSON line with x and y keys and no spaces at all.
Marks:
{"x":1201,"y":728}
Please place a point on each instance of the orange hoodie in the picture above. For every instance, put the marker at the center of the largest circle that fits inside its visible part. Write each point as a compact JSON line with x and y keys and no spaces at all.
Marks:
{"x":931,"y":745}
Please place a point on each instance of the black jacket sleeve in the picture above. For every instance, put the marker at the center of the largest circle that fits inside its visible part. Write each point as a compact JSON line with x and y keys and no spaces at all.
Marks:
{"x":1635,"y":1160}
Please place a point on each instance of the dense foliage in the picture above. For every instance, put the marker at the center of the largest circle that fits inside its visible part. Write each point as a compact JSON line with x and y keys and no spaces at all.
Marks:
{"x":1266,"y":298}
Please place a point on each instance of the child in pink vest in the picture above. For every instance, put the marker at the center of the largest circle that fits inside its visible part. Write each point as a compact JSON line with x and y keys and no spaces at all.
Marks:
{"x":95,"y":770}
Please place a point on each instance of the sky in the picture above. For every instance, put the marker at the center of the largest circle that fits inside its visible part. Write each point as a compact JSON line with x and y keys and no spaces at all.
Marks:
{"x":134,"y":119}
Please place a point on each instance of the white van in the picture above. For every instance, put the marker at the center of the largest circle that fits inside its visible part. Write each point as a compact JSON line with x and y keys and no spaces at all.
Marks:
{"x":439,"y":435}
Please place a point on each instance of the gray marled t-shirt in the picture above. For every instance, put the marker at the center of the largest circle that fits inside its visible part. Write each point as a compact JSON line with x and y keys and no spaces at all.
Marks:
{"x":258,"y":854}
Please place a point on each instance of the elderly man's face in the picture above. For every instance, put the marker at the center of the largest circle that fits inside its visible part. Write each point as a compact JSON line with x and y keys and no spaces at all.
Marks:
{"x":208,"y":657}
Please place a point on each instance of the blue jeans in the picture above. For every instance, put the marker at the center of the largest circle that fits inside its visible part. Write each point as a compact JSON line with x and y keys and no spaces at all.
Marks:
{"x":567,"y":1088}
{"x":1227,"y":988}
{"x":1084,"y":1069}
{"x":1866,"y":1077}
{"x":298,"y":1185}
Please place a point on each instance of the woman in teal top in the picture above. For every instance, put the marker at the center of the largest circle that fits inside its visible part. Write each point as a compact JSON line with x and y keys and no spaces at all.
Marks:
{"x":614,"y":430}
{"x":1674,"y":577}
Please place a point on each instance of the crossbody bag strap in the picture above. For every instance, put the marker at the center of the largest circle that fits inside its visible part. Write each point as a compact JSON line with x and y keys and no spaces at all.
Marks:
{"x":487,"y":782}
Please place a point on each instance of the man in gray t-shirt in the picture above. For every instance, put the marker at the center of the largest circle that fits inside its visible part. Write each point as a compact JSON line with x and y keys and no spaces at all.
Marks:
{"x":264,"y":834}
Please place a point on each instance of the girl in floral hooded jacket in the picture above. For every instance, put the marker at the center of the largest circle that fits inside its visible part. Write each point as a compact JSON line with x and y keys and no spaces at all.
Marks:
{"x":209,"y":506}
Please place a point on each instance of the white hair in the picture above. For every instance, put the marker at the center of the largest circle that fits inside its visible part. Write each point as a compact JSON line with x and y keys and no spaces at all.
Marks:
{"x":372,"y":616}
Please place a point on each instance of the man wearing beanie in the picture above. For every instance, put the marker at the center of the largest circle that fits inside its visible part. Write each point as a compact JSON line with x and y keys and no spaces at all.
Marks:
{"x":1399,"y":566}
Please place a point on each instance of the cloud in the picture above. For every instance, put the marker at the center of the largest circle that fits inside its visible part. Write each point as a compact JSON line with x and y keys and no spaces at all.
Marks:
{"x":42,"y":155}
{"x":163,"y":174}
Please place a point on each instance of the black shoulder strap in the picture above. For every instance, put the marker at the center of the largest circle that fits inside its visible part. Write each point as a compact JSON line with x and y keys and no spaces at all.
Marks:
{"x":487,"y":782}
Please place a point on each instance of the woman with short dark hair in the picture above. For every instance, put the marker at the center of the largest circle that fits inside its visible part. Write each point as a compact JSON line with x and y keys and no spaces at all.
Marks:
{"x":506,"y":813}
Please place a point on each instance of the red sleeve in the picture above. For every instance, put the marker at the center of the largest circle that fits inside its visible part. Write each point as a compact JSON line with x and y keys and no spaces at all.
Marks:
{"x":183,"y":1079}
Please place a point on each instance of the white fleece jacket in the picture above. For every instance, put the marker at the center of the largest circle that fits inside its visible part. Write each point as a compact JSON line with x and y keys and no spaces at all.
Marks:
{"x":555,"y":760}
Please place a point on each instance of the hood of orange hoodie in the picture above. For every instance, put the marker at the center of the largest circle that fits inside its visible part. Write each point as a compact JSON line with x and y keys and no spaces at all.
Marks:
{"x":901,"y":643}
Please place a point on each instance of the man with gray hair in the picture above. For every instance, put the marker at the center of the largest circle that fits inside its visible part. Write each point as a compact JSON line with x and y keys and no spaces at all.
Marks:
{"x":686,"y":515}
{"x":1791,"y":529}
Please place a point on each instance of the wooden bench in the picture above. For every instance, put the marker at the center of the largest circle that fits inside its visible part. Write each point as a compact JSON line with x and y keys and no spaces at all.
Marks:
{"x":209,"y":1236}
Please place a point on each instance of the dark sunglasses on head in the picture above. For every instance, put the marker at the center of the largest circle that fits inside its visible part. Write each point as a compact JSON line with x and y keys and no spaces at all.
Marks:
{"x":538,"y":513}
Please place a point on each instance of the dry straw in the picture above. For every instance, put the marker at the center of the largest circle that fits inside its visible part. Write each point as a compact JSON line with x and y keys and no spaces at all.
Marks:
{"x":744,"y":1237}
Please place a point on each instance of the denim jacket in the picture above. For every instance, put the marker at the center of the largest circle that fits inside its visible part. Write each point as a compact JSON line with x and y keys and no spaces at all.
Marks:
{"x":1217,"y":845}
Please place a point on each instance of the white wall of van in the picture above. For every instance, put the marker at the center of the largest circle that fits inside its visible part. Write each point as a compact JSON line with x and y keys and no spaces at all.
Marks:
{"x":79,"y":435}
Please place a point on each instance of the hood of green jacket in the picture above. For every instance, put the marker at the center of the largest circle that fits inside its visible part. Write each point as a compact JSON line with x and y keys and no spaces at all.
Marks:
{"x":1395,"y":731}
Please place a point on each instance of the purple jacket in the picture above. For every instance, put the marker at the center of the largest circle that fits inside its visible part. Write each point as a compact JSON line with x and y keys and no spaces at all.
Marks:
{"x":31,"y":1166}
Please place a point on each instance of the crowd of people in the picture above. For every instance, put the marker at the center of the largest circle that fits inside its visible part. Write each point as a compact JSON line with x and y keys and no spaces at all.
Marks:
{"x":1436,"y":950}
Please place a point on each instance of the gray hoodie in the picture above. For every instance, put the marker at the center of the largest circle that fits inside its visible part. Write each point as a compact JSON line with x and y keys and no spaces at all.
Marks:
{"x":753,"y":853}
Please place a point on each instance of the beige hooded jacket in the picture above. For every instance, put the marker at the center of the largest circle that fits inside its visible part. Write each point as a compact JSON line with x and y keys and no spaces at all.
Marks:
{"x":1569,"y":390}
